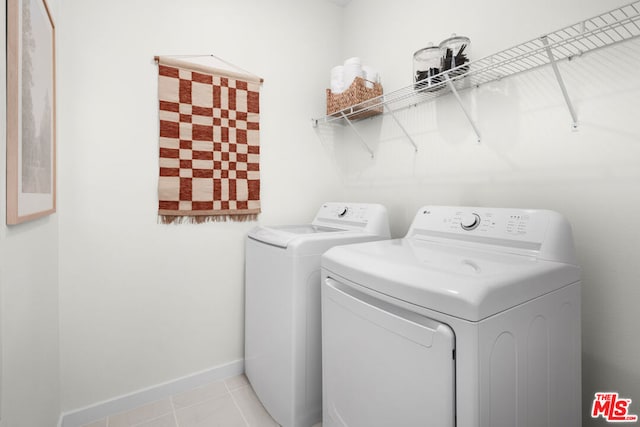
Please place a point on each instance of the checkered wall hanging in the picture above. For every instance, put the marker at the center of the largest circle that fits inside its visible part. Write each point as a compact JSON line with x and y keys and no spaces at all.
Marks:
{"x":209,"y":143}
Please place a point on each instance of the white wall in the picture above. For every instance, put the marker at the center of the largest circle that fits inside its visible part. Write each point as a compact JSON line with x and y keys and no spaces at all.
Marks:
{"x":29,"y":385}
{"x":143,"y":303}
{"x":529,"y":157}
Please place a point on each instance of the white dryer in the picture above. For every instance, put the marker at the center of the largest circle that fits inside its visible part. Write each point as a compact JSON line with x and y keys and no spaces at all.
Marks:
{"x":282,"y":306}
{"x":472,"y":319}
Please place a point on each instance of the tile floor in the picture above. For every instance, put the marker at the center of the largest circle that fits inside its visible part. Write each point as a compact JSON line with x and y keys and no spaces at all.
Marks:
{"x":225,"y":403}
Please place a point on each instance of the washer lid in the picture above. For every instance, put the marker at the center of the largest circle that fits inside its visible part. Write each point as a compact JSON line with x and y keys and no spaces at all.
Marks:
{"x":334,"y":221}
{"x":464,"y":282}
{"x":281,"y":236}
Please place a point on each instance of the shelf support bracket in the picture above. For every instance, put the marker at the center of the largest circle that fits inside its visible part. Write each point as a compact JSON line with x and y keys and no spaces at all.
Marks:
{"x":364,"y":142}
{"x":395,"y":119}
{"x":563,"y":88}
{"x":464,"y":110}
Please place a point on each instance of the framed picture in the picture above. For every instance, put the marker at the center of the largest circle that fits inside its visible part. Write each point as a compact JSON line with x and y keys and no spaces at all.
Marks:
{"x":31,"y":111}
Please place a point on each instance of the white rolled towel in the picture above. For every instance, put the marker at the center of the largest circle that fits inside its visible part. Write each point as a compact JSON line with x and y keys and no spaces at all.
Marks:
{"x":371,"y":75}
{"x":337,"y":79}
{"x":352,"y":68}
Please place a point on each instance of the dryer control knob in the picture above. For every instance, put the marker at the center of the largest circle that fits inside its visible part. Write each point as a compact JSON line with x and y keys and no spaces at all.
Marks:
{"x":343,"y":211}
{"x":470,"y":221}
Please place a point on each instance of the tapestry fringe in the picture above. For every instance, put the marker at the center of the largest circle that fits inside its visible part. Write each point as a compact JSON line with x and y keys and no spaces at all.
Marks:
{"x":201,"y":219}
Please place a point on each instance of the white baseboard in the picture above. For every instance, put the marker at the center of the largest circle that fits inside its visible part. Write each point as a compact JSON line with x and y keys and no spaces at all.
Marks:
{"x":80,"y":417}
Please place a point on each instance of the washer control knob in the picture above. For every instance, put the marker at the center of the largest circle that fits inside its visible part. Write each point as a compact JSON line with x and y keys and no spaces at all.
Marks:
{"x":342,"y":212}
{"x":470,"y":221}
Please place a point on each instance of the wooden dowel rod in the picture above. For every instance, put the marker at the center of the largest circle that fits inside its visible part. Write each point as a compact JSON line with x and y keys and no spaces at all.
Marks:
{"x":157,"y":59}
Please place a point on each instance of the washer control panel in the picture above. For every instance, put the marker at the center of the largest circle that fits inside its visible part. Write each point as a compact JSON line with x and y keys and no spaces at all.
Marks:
{"x":347,"y":212}
{"x":351,"y":216}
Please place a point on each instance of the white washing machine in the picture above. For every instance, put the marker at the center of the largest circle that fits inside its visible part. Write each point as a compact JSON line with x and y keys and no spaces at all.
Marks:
{"x":472,"y":319}
{"x":282,"y":306}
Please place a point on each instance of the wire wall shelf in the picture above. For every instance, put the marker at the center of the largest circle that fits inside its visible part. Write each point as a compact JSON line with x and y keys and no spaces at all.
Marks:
{"x":604,"y":30}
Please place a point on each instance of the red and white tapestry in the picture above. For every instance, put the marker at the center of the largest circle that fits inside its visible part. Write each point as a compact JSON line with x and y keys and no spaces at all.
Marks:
{"x":209,"y":143}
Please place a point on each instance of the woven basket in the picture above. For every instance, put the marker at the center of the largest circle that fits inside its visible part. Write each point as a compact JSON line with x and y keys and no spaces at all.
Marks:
{"x":355,"y":96}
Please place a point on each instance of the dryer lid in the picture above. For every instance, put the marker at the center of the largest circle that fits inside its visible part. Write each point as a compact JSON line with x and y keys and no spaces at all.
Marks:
{"x":464,"y":282}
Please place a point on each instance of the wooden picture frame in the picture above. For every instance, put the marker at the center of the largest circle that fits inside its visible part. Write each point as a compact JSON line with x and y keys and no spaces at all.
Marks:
{"x":31,"y":111}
